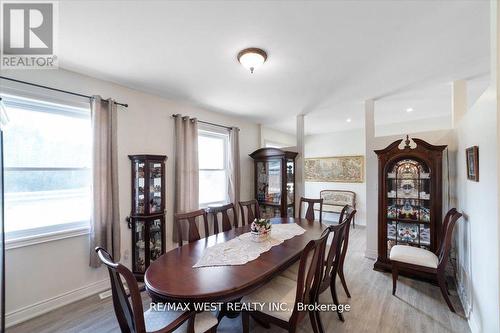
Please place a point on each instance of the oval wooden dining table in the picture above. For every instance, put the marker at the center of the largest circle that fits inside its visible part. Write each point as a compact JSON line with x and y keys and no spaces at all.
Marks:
{"x":172,"y":278}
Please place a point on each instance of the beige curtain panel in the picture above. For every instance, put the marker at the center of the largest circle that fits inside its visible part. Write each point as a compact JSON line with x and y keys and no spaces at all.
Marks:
{"x":105,"y":222}
{"x":186,"y":167}
{"x":234,"y":168}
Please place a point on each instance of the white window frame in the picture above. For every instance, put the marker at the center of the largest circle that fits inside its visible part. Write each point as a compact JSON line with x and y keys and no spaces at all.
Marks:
{"x":32,"y":236}
{"x":208,"y":131}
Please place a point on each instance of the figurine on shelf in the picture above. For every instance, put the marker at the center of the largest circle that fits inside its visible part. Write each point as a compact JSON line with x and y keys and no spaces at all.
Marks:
{"x":425,"y":214}
{"x":140,"y":207}
{"x":408,"y":233}
{"x":140,"y":264}
{"x":289,"y":173}
{"x":392,"y":212}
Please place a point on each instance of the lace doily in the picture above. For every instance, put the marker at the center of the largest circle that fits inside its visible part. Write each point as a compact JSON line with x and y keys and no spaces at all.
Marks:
{"x":242,"y":249}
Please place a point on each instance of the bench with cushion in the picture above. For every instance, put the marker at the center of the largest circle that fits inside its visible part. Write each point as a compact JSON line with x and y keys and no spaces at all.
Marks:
{"x":335,"y":200}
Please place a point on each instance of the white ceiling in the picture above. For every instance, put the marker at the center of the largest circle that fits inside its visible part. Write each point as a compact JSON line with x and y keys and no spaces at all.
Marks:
{"x":325,"y":58}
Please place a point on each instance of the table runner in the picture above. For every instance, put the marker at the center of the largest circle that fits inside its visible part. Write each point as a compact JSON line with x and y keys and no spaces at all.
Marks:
{"x":242,"y":249}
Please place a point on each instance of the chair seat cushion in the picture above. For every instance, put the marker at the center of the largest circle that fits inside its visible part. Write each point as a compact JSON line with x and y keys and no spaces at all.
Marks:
{"x":280,"y":289}
{"x":331,"y":208}
{"x":156,"y":320}
{"x":414,"y":255}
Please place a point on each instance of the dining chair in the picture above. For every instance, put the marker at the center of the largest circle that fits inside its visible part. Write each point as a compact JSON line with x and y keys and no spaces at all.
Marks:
{"x":190,"y":219}
{"x":335,"y":259}
{"x":310,"y":208}
{"x":252,"y":214}
{"x":332,"y":261}
{"x":417,"y":260}
{"x":290,"y":292}
{"x":226,"y":221}
{"x":131,"y":316}
{"x":350,"y":213}
{"x":336,"y":256}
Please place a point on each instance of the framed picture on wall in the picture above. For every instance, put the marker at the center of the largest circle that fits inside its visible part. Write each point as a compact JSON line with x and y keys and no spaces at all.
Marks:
{"x":472,"y":160}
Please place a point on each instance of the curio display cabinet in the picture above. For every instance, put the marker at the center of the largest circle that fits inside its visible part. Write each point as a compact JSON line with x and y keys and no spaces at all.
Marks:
{"x":275,"y":182}
{"x":147,"y":217}
{"x":409,"y":198}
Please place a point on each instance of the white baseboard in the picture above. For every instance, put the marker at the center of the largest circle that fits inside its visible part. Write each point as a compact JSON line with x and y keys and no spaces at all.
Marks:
{"x":474,"y":323}
{"x":34,"y":310}
{"x":371,"y":254}
{"x":463,"y":297}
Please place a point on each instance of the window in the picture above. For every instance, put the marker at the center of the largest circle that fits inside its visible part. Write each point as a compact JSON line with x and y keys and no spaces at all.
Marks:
{"x":213,"y":165}
{"x":47,"y":175}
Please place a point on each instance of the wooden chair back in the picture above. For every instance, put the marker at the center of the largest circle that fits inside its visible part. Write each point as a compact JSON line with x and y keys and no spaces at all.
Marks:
{"x":252,"y":214}
{"x":343,"y":213}
{"x":130,"y":316}
{"x":309,"y":274}
{"x":226,"y":220}
{"x":449,"y":222}
{"x":334,"y":255}
{"x":349,"y":213}
{"x":190,"y":218}
{"x":310,"y":208}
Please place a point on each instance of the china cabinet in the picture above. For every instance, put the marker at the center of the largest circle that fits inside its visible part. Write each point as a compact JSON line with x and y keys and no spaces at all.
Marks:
{"x":410,"y":197}
{"x":275,"y":182}
{"x":147,"y":217}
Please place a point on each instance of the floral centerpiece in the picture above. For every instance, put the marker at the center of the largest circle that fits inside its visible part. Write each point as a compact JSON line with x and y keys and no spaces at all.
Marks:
{"x":260,"y":229}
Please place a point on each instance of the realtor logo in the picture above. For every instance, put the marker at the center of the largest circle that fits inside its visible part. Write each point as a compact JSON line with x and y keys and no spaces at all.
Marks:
{"x":28,"y":35}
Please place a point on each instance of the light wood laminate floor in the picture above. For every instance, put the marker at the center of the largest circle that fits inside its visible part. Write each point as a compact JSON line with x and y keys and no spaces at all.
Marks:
{"x":418,"y":306}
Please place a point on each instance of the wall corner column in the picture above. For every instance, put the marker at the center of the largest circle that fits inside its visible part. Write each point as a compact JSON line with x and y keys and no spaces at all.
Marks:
{"x":299,"y":163}
{"x":371,"y":182}
{"x":458,"y":102}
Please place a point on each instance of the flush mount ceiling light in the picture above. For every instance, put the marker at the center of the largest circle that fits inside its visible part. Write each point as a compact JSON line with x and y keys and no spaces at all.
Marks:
{"x":409,"y":110}
{"x":252,"y":58}
{"x":348,"y":120}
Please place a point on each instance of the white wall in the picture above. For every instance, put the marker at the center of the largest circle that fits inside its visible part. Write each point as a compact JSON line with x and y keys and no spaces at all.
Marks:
{"x":477,"y":236}
{"x":274,"y":136}
{"x":54,"y":273}
{"x":477,"y":232}
{"x":414,"y":126}
{"x":343,"y":143}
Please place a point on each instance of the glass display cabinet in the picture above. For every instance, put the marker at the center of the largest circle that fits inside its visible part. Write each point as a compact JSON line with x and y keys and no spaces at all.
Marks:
{"x":275,"y":182}
{"x":410,"y":197}
{"x":147,"y":218}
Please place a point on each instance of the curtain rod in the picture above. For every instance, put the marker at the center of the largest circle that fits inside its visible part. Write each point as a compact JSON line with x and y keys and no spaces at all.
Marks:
{"x":209,"y":123}
{"x":54,"y":89}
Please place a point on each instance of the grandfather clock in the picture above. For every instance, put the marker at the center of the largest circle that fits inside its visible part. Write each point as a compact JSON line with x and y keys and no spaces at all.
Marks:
{"x":409,"y":197}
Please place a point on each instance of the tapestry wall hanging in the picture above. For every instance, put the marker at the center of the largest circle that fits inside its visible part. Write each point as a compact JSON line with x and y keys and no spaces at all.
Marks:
{"x":340,"y":169}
